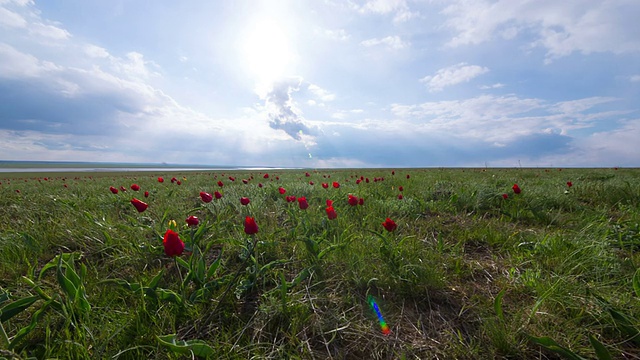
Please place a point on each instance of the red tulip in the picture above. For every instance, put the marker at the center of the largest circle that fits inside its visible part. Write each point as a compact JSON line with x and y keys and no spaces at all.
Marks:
{"x":282,"y":190}
{"x":408,"y":176}
{"x":366,"y":180}
{"x":178,"y":182}
{"x":389,"y":224}
{"x":277,"y":177}
{"x":329,"y":202}
{"x":361,"y":201}
{"x":505,"y":196}
{"x":244,"y":201}
{"x":173,"y":179}
{"x":135,"y":187}
{"x":302,"y":202}
{"x":569,"y":184}
{"x":516,"y":189}
{"x":206,"y":197}
{"x":245,"y":181}
{"x":266,"y":176}
{"x":123,"y":189}
{"x":146,"y":194}
{"x":336,"y":185}
{"x":290,"y":198}
{"x":113,"y":190}
{"x":353,"y":201}
{"x":192,"y":220}
{"x":307,"y":174}
{"x":173,"y":245}
{"x":400,"y":188}
{"x":358,"y":182}
{"x":160,"y":180}
{"x":259,"y":185}
{"x":400,"y":197}
{"x":139,"y":205}
{"x":217,"y":195}
{"x":325,"y":185}
{"x":250,"y":226}
{"x":310,"y":182}
{"x":220,"y":183}
{"x":331,"y":213}
{"x":232,"y":178}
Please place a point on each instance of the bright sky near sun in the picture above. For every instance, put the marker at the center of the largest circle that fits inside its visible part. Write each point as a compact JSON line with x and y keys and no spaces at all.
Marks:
{"x":322,"y":83}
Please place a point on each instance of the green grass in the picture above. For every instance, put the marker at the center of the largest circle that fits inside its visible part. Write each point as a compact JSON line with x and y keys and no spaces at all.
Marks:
{"x":551,"y":272}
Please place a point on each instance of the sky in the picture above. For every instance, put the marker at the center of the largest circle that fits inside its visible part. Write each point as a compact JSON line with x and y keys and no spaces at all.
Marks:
{"x":322,"y":83}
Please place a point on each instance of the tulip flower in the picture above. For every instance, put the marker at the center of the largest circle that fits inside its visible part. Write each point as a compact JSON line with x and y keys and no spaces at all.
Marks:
{"x":160,"y":180}
{"x":192,"y":220}
{"x":113,"y":190}
{"x":389,"y":224}
{"x":331,"y":213}
{"x":325,"y":185}
{"x":232,"y":178}
{"x":139,"y":205}
{"x":146,"y":194}
{"x":307,"y":174}
{"x":336,"y":184}
{"x":516,"y":189}
{"x":206,"y":197}
{"x":361,"y":201}
{"x":135,"y":187}
{"x":353,"y":201}
{"x":329,"y":202}
{"x":250,"y":226}
{"x":220,"y":183}
{"x":310,"y":182}
{"x":282,"y":190}
{"x":123,"y":189}
{"x":266,"y":176}
{"x":400,"y":188}
{"x":302,"y":202}
{"x":400,"y":197}
{"x":505,"y":196}
{"x":244,"y":201}
{"x":569,"y":184}
{"x":173,"y":245}
{"x":217,"y":194}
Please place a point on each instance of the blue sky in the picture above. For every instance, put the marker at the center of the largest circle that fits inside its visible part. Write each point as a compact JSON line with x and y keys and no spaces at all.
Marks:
{"x":322,"y":83}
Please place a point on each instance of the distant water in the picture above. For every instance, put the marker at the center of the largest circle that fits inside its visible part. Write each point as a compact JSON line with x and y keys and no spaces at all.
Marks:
{"x":54,"y":166}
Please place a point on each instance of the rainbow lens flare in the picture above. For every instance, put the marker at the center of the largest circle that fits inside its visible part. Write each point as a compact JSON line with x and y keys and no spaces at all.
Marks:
{"x":383,"y":324}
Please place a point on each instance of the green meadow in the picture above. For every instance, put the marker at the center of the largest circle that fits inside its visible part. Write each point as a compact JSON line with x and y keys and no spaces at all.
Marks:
{"x":551,"y":272}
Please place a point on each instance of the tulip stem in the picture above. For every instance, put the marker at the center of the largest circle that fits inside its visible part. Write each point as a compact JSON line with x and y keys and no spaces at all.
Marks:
{"x":4,"y":338}
{"x":175,"y":262}
{"x":235,"y":277}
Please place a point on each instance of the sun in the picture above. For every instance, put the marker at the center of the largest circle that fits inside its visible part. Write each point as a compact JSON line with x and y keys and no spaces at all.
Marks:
{"x":266,"y":51}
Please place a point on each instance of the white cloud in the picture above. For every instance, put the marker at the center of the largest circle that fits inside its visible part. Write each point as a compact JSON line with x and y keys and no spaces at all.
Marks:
{"x":493,"y":86}
{"x":16,"y":64}
{"x":561,"y":27}
{"x":452,"y":75}
{"x":51,"y":32}
{"x":321,"y":93}
{"x":11,"y":19}
{"x":400,"y":9}
{"x":96,"y":51}
{"x":503,"y":119}
{"x":338,"y":34}
{"x":635,"y":78}
{"x":392,"y":42}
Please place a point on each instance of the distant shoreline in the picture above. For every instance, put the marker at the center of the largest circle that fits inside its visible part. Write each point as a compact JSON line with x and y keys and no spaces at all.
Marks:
{"x":70,"y":166}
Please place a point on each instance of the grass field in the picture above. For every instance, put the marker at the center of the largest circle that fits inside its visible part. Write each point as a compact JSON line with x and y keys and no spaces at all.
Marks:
{"x":551,"y":272}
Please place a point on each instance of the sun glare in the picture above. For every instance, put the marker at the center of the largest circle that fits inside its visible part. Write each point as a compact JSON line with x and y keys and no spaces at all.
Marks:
{"x":266,"y":51}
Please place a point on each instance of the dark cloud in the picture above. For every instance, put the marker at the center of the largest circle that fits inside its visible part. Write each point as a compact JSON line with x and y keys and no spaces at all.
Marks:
{"x":282,"y":113}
